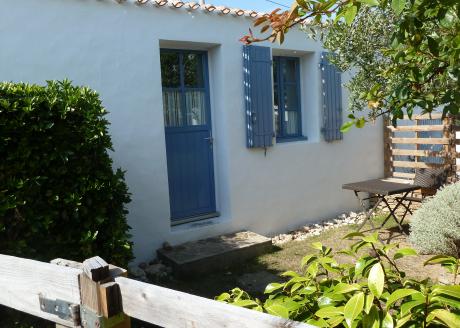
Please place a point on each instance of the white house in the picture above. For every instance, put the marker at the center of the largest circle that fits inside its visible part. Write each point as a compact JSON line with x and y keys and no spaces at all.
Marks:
{"x":194,"y":114}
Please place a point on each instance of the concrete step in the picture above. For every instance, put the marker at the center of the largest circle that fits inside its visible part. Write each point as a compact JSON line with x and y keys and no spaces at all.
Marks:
{"x":214,"y":254}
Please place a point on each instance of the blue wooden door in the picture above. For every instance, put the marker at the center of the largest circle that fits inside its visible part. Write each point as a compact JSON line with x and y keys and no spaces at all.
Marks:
{"x":189,"y":143}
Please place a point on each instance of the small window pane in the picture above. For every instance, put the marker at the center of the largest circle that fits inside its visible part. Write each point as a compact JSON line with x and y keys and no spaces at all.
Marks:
{"x":195,"y":107}
{"x":290,"y":71}
{"x":290,"y":97}
{"x":193,"y":70}
{"x":170,"y":73}
{"x":291,"y":121}
{"x":172,"y":108}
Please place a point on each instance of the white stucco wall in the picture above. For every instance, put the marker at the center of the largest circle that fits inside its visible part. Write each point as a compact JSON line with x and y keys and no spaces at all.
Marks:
{"x":114,"y":49}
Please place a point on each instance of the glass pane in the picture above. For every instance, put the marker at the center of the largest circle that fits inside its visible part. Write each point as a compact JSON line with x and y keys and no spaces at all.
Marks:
{"x":291,"y":121}
{"x":193,"y":70}
{"x":171,"y":108}
{"x":290,"y":97}
{"x":196,"y":107}
{"x":290,"y":71}
{"x":170,"y":73}
{"x":276,"y":109}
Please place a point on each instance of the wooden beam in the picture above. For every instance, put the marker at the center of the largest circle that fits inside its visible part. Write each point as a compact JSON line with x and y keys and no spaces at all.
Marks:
{"x":419,"y":165}
{"x":169,"y":308}
{"x":114,"y":270}
{"x":421,"y":141}
{"x":418,"y":152}
{"x":387,"y":148}
{"x":22,"y":280}
{"x":416,"y":128}
{"x":404,"y":175}
{"x":432,"y":116}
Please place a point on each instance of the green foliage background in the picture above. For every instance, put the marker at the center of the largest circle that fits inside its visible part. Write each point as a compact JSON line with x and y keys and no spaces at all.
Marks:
{"x":59,"y":196}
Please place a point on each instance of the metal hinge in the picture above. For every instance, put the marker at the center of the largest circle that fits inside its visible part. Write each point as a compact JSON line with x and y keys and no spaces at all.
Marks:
{"x":62,"y":309}
{"x":90,"y":319}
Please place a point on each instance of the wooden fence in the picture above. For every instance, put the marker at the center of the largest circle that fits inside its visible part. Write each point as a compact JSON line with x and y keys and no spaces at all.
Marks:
{"x":94,"y":294}
{"x":423,"y":142}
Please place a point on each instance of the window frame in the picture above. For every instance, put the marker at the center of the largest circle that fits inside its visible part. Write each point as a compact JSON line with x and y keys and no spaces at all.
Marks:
{"x":182,"y":88}
{"x":279,"y":84}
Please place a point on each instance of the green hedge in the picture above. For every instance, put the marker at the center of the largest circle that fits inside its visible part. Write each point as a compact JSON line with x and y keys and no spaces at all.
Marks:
{"x":59,"y":196}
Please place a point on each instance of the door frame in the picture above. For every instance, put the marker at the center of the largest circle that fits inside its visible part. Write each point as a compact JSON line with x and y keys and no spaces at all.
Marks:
{"x":187,"y":129}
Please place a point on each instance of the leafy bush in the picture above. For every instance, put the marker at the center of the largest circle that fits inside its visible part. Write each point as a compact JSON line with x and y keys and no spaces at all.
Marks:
{"x":59,"y":196}
{"x":374,"y":292}
{"x":435,"y":226}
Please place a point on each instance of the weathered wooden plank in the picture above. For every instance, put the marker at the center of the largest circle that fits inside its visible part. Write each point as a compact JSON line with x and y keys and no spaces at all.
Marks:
{"x":387,"y":147}
{"x":114,"y":270}
{"x":404,"y":175}
{"x":420,"y":165}
{"x":170,"y":308}
{"x":22,"y":280}
{"x":417,"y":152}
{"x":432,"y":116}
{"x":421,"y":141}
{"x":416,"y":128}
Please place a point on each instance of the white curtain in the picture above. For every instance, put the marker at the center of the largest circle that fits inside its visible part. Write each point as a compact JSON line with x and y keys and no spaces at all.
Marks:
{"x":196,"y":107}
{"x":171,"y":108}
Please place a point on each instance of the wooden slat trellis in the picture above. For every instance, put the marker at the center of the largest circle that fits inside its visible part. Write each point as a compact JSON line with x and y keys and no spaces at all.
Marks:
{"x":422,"y":142}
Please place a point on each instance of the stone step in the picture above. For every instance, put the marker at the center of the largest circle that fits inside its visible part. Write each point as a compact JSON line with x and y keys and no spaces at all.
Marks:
{"x":214,"y":254}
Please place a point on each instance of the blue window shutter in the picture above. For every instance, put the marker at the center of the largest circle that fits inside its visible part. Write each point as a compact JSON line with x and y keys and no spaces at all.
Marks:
{"x":258,"y":96}
{"x":331,"y":79}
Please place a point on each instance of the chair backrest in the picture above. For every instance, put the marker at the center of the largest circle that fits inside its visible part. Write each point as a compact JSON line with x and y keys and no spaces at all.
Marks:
{"x":430,"y":178}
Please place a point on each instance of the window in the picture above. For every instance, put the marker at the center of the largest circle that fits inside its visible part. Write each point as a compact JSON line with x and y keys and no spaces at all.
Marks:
{"x":184,"y":91}
{"x":286,"y":84}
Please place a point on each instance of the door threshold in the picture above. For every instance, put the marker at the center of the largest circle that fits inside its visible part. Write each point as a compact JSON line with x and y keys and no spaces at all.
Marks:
{"x":195,"y":218}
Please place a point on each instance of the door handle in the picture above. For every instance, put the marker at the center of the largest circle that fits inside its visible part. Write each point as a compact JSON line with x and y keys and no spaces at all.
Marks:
{"x":210,"y":140}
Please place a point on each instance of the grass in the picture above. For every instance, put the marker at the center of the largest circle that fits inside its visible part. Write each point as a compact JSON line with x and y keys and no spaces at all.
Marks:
{"x":288,"y":256}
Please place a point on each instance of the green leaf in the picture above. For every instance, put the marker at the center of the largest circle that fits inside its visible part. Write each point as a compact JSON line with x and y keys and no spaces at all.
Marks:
{"x":307,"y":260}
{"x":278,"y":310}
{"x":329,"y":312}
{"x":223,"y":297}
{"x":353,"y":234}
{"x":449,"y":318}
{"x":387,"y":321}
{"x":346,"y":126}
{"x":372,"y":319}
{"x":342,"y":288}
{"x":245,"y":303}
{"x":406,"y":307}
{"x":376,"y":280}
{"x":353,"y":308}
{"x":401,"y":322}
{"x":272,"y":287}
{"x":398,"y":294}
{"x":369,"y":303}
{"x":350,"y":14}
{"x":452,"y":290}
{"x":289,"y":274}
{"x":404,"y":252}
{"x":360,"y":123}
{"x":440,"y":259}
{"x":370,"y":2}
{"x":398,"y":6}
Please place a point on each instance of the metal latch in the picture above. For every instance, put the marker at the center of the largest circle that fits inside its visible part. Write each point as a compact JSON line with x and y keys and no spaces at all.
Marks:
{"x":62,"y":309}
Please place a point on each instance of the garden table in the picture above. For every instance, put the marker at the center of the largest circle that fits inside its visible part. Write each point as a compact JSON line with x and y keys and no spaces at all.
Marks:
{"x":380,"y":190}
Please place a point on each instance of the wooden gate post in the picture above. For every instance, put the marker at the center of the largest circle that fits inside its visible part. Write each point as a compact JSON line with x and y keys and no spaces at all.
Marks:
{"x":101,"y":302}
{"x":100,"y":297}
